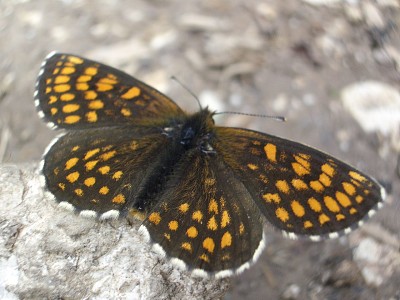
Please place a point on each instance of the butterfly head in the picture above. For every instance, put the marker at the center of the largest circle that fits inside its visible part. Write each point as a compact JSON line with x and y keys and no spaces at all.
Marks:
{"x":198,"y":131}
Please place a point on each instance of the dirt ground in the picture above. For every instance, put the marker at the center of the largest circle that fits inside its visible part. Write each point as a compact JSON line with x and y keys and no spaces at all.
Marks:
{"x":276,"y":57}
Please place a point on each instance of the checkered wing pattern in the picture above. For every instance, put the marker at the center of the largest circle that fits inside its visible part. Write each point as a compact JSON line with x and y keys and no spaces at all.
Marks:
{"x":102,"y":170}
{"x":203,"y":192}
{"x":76,"y":93}
{"x":207,"y":219}
{"x":300,"y":190}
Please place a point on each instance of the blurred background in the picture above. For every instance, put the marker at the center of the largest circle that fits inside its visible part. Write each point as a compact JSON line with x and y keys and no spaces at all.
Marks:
{"x":332,"y":68}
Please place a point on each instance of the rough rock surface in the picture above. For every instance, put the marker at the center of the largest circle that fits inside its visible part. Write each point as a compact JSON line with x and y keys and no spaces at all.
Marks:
{"x":49,"y":253}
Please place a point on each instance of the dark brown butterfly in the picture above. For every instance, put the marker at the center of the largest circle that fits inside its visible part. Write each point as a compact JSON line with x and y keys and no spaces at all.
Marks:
{"x":203,"y":192}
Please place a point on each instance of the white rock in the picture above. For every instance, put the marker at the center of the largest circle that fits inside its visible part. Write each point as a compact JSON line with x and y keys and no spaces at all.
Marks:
{"x":323,"y":2}
{"x":374,"y":105}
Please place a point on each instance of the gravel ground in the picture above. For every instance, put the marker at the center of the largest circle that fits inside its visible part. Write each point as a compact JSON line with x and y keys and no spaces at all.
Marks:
{"x":332,"y":68}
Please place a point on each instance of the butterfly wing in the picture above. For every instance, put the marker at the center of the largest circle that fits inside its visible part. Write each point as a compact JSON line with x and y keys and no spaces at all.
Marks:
{"x":300,"y":190}
{"x":206,"y":219}
{"x":76,"y":93}
{"x":102,"y":170}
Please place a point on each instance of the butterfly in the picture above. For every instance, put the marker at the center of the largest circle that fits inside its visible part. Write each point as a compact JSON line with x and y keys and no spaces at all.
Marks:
{"x":203,"y":192}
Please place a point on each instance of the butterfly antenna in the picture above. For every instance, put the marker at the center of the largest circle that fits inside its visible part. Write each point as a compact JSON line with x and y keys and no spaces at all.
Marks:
{"x":277,"y":118}
{"x":188,"y":90}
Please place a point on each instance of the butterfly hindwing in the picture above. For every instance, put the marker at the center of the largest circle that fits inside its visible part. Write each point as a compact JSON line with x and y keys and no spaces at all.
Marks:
{"x":102,"y":169}
{"x":76,"y":93}
{"x":300,"y":190}
{"x":207,"y":218}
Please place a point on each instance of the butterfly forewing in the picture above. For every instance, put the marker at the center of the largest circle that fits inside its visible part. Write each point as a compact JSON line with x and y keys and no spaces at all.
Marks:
{"x":76,"y":93}
{"x":299,"y":189}
{"x":206,"y":218}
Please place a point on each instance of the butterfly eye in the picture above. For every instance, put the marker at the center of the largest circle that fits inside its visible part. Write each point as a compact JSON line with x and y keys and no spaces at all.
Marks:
{"x":187,"y":136}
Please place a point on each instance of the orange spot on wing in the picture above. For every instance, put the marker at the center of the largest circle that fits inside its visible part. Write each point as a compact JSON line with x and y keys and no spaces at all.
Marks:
{"x":359,"y":199}
{"x":208,"y":244}
{"x":62,"y":79}
{"x":241,"y":228}
{"x":213,"y":206}
{"x":357,"y":176}
{"x":212,"y":224}
{"x":282,"y":186}
{"x":225,"y":219}
{"x":119,"y":199}
{"x":331,"y":204}
{"x":61,"y":88}
{"x":173,"y":225}
{"x":297,"y":208}
{"x":126,"y":112}
{"x":67,"y":70}
{"x":131,"y":93}
{"x":108,"y":81}
{"x":104,"y":170}
{"x":328,"y":169}
{"x":314,"y":204}
{"x":183,"y":208}
{"x":90,"y":95}
{"x":104,"y":190}
{"x":323,"y":218}
{"x":270,"y":152}
{"x":84,"y":78}
{"x":78,"y":192}
{"x":299,"y":169}
{"x":106,"y":156}
{"x":117,"y":175}
{"x":75,"y":60}
{"x":186,"y":246}
{"x":67,"y":97}
{"x":91,"y":71}
{"x":307,"y":224}
{"x":205,"y":258}
{"x":90,"y":181}
{"x":90,"y":153}
{"x":72,"y":119}
{"x":343,"y":199}
{"x":69,"y":108}
{"x":317,"y":186}
{"x":349,"y":188}
{"x":325,"y":179}
{"x":71,"y":163}
{"x":252,"y":167}
{"x":90,"y":165}
{"x":272,"y":198}
{"x":52,"y":99}
{"x":197,"y":216}
{"x":299,"y":184}
{"x":96,"y":104}
{"x":72,"y":177}
{"x":340,"y":217}
{"x":155,"y":218}
{"x":192,"y":232}
{"x":91,"y":116}
{"x":82,"y":86}
{"x":282,"y":214}
{"x":103,"y":87}
{"x":226,"y":240}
